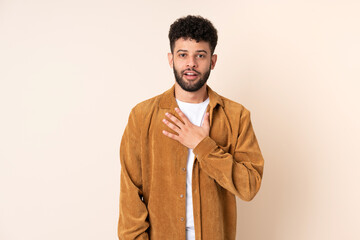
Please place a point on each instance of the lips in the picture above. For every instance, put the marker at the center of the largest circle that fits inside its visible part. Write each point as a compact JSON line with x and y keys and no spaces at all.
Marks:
{"x":190,"y":75}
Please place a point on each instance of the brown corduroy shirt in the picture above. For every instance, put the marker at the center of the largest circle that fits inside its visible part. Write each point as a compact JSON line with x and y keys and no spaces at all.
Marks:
{"x":228,"y":163}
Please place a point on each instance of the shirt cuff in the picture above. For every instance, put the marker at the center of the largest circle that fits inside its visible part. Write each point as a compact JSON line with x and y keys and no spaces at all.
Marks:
{"x":204,"y":147}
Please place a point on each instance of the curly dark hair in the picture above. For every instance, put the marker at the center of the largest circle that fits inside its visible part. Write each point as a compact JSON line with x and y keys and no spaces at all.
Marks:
{"x":194,"y":27}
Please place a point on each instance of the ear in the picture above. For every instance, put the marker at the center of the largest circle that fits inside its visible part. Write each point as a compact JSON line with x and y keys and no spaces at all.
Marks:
{"x":170,"y":59}
{"x":213,"y":61}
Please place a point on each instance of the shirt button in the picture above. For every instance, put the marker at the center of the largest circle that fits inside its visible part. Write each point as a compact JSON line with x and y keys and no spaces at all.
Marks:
{"x":184,"y":169}
{"x":181,"y":195}
{"x":182,"y":219}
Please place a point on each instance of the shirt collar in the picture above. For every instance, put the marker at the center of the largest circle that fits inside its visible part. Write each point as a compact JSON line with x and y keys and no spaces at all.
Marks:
{"x":168,"y":100}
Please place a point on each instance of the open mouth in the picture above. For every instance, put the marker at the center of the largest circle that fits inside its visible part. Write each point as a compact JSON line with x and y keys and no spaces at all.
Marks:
{"x":190,"y":75}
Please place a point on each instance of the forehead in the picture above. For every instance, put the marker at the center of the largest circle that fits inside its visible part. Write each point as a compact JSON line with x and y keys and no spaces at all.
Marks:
{"x":191,"y":45}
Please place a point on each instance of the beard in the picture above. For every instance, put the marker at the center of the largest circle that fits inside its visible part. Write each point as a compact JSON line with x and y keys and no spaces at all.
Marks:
{"x":190,"y":86}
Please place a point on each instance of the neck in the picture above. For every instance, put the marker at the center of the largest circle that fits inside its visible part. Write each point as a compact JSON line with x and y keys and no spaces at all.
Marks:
{"x":191,"y":97}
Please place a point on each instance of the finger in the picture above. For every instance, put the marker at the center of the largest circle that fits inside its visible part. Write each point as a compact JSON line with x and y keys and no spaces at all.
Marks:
{"x":175,"y":120}
{"x":172,"y":126}
{"x":182,"y":115}
{"x":170,"y":135}
{"x":206,"y":122}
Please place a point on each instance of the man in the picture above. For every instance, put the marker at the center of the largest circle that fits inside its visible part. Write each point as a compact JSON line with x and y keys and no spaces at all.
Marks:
{"x":185,"y":154}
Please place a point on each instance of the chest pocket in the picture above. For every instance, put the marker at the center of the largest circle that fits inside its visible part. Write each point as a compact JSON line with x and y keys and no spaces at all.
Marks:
{"x":221,"y":132}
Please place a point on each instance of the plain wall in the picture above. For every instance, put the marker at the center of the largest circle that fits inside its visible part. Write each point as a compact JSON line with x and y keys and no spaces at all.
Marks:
{"x":72,"y":70}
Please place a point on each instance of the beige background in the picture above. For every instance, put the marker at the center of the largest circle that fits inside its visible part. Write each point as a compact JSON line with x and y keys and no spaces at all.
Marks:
{"x":71,"y":71}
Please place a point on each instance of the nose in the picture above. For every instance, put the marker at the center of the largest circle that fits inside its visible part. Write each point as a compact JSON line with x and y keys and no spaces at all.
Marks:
{"x":191,"y":62}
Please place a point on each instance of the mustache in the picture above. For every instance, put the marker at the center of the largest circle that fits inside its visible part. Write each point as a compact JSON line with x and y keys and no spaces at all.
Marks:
{"x":190,"y":69}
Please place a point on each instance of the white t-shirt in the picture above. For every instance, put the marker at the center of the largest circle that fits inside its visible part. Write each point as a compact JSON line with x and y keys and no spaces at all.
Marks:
{"x":195,"y":112}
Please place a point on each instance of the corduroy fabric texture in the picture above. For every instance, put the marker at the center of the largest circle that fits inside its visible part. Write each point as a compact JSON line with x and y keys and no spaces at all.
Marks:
{"x":228,"y":163}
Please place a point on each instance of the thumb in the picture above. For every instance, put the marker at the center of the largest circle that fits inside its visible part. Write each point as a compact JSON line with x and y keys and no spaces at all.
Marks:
{"x":206,"y":122}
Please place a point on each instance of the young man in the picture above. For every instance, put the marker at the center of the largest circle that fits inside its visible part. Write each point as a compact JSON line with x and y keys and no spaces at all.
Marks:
{"x":186,"y":153}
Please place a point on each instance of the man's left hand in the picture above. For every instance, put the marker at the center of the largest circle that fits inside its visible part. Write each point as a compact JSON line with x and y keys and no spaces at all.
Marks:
{"x":189,"y":134}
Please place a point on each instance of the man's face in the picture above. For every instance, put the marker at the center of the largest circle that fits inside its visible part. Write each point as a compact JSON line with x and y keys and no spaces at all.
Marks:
{"x":192,"y":62}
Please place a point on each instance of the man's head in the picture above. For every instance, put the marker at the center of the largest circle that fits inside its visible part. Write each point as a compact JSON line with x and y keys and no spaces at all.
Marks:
{"x":192,"y":41}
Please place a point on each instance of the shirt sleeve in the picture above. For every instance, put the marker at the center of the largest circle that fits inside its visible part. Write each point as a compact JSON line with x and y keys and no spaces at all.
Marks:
{"x":240,"y":173}
{"x":133,"y":212}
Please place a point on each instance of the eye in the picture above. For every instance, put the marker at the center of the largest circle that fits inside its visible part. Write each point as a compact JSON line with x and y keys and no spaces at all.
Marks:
{"x":201,"y":56}
{"x":182,"y":54}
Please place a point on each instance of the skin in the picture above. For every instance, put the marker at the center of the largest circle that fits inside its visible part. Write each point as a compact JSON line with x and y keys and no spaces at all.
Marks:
{"x":189,"y":55}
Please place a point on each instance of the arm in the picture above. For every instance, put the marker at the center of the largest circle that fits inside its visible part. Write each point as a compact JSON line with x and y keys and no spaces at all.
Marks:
{"x":240,"y":173}
{"x":133,"y":212}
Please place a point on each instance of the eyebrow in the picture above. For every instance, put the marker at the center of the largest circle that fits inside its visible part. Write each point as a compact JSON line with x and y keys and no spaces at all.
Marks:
{"x":182,"y":50}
